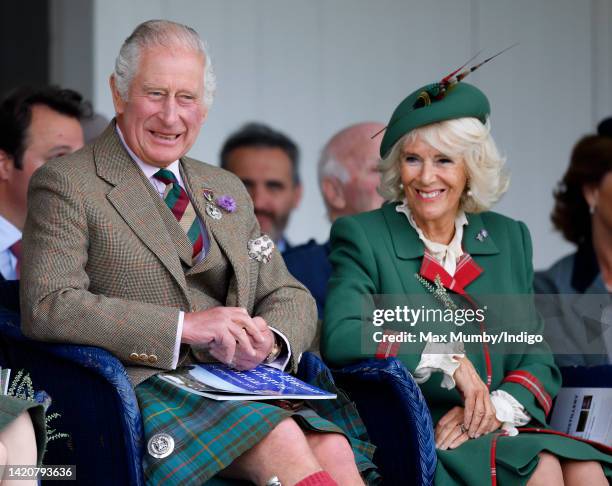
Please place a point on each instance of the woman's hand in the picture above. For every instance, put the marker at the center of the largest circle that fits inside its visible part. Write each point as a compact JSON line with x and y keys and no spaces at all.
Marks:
{"x":450,"y":432}
{"x":479,"y":413}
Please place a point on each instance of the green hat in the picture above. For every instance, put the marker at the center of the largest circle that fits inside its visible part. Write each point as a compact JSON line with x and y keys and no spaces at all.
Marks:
{"x":433,"y":103}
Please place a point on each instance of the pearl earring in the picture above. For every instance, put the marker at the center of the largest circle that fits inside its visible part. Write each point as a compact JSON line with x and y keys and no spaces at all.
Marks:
{"x":592,"y":209}
{"x":401,"y":186}
{"x":469,"y":193}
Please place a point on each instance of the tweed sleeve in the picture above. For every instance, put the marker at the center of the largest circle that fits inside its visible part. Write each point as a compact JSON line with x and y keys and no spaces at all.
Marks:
{"x":56,"y":300}
{"x":284,"y":303}
{"x":350,"y":293}
{"x":535,"y":380}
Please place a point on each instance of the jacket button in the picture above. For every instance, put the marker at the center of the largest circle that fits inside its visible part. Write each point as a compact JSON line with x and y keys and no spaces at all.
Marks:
{"x":143,"y":357}
{"x":153,"y":358}
{"x":134,"y":357}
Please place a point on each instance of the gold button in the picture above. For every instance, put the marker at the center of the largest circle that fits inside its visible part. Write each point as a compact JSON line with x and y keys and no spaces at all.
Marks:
{"x":134,"y":357}
{"x":153,"y":358}
{"x":143,"y":357}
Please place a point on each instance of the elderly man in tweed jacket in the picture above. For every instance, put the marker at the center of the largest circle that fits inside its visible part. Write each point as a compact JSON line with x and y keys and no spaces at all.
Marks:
{"x":132,"y":246}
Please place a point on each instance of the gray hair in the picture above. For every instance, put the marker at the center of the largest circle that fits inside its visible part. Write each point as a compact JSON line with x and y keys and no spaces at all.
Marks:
{"x":467,"y":138}
{"x":330,"y":166}
{"x":160,"y":33}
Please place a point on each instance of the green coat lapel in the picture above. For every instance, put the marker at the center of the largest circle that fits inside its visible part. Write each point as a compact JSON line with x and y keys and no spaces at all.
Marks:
{"x":406,"y":243}
{"x":471,"y":243}
{"x":408,"y":249}
{"x":133,"y":201}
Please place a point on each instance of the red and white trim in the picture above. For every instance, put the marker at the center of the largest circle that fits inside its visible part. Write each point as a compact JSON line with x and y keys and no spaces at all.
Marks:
{"x":529,"y":381}
{"x":386,"y":349}
{"x":492,"y":457}
{"x":597,"y":445}
{"x":467,"y":271}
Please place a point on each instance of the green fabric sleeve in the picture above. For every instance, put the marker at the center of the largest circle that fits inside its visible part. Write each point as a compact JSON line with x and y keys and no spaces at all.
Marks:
{"x":354,"y":279}
{"x":538,"y":362}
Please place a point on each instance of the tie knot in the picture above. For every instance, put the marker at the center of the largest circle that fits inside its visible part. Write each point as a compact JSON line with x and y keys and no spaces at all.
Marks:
{"x":16,"y":249}
{"x":166,"y":176}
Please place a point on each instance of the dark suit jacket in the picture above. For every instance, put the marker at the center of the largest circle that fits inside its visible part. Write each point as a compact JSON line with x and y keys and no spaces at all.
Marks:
{"x":309,"y":263}
{"x":9,"y":294}
{"x":572,"y":298}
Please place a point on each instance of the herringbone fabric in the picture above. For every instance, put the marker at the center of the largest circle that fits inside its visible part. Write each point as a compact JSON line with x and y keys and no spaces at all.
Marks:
{"x":177,"y":200}
{"x":101,"y":268}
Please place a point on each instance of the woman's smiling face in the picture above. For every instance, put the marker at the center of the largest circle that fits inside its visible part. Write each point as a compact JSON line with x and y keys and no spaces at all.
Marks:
{"x":433,"y":183}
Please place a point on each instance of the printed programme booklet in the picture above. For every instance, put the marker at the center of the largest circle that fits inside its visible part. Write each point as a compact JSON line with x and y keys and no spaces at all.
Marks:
{"x":220,"y":382}
{"x":584,"y":412}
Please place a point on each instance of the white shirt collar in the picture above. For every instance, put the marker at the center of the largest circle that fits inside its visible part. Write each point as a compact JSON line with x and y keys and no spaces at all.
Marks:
{"x":9,"y":234}
{"x":446,"y":255}
{"x":148,"y":169}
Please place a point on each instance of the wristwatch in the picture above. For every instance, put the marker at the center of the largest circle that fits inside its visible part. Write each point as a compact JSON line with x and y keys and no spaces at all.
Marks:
{"x":276,"y":350}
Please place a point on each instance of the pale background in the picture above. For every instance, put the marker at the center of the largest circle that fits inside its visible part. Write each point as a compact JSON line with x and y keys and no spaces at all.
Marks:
{"x":312,"y":67}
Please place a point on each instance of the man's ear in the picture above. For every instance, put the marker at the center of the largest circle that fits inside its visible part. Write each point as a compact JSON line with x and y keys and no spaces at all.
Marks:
{"x":204,"y":113}
{"x":333,"y":193}
{"x":7,"y":166}
{"x":118,"y":101}
{"x":591,"y":195}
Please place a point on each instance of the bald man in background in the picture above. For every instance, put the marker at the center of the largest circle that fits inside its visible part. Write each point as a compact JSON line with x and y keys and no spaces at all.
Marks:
{"x":348,"y":179}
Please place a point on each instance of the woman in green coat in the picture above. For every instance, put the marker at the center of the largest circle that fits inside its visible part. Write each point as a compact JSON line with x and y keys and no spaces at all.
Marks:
{"x":436,"y":244}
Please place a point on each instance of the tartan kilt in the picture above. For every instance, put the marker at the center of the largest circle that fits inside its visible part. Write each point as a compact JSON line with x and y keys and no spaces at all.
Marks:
{"x":209,"y":434}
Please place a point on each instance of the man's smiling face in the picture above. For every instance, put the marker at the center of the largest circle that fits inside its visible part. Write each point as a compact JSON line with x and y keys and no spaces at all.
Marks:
{"x":164,"y":112}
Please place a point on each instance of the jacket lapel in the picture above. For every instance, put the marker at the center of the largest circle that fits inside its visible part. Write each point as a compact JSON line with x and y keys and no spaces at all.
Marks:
{"x":408,"y":246}
{"x":199,"y":178}
{"x":406,"y":243}
{"x":133,"y":202}
{"x":476,"y":239}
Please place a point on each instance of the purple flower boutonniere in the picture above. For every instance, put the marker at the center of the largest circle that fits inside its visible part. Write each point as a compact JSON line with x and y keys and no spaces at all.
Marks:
{"x":227,"y":203}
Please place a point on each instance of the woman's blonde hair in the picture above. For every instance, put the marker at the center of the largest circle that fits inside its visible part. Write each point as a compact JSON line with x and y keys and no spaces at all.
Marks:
{"x":466,"y":138}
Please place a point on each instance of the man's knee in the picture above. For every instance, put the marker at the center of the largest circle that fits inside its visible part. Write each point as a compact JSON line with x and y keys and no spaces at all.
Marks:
{"x":286,"y":434}
{"x":330,"y":445}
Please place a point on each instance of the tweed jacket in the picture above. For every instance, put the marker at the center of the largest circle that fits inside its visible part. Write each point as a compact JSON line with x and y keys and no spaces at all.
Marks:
{"x":102,"y":267}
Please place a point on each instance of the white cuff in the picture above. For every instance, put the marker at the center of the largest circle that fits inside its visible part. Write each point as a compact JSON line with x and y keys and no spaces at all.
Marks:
{"x":439,"y":357}
{"x":283,"y":358}
{"x":509,"y":411}
{"x":177,"y":342}
{"x":446,"y":363}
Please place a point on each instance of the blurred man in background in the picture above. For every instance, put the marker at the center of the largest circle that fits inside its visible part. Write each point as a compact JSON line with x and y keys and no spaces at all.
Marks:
{"x":267,"y":163}
{"x":348,"y":178}
{"x":36,"y":125}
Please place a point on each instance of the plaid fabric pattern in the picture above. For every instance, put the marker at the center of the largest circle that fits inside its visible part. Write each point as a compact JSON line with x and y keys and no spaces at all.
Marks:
{"x":529,"y":381}
{"x":177,"y":200}
{"x":210,"y":434}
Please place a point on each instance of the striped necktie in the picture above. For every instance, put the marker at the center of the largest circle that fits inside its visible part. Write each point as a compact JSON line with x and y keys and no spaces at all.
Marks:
{"x":177,"y":200}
